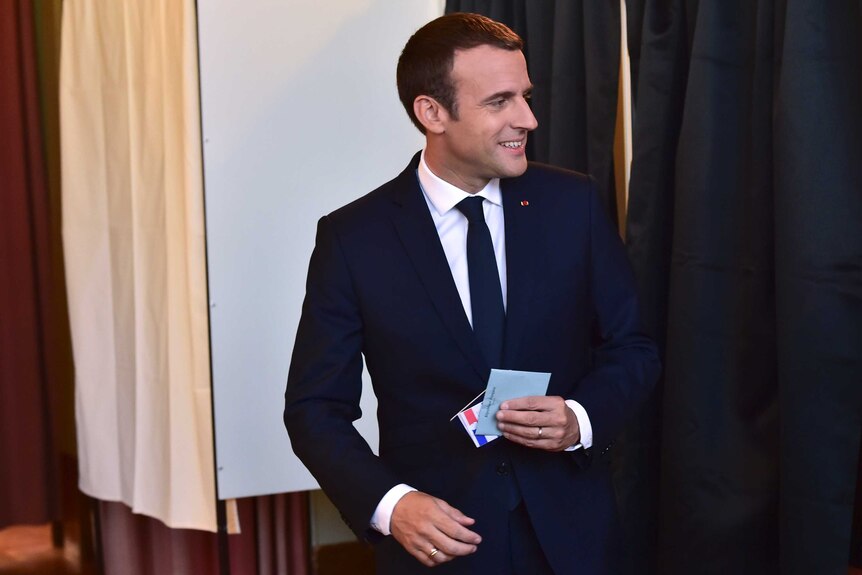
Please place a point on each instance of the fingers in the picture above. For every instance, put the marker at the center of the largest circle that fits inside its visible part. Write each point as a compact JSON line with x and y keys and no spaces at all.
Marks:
{"x":432,"y":530}
{"x":528,"y":403}
{"x":461,"y":519}
{"x":539,"y":422}
{"x":533,"y":403}
{"x":534,"y":412}
{"x":549,"y":440}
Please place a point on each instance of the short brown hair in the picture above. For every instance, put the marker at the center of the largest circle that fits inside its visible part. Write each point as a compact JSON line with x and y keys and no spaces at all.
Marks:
{"x":425,"y":65}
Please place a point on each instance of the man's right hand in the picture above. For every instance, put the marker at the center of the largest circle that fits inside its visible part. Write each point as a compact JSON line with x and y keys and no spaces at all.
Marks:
{"x":422,"y":523}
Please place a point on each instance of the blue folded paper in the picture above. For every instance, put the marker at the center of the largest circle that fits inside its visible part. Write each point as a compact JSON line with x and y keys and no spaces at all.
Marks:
{"x":505,"y":384}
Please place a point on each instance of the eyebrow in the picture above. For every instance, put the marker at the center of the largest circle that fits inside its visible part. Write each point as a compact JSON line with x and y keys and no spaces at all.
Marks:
{"x":506,"y":95}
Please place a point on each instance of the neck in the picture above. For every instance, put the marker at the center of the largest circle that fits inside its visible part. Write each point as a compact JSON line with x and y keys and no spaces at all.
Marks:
{"x":443,"y":171}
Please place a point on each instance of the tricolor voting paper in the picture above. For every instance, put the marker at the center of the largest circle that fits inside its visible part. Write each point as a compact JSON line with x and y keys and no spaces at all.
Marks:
{"x":468,"y":418}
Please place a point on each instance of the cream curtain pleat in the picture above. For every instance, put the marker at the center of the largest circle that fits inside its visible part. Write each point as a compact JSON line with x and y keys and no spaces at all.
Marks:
{"x":133,"y":231}
{"x":623,"y":128}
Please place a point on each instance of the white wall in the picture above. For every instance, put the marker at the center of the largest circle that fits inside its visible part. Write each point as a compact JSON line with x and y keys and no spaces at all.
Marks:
{"x":300,"y":115}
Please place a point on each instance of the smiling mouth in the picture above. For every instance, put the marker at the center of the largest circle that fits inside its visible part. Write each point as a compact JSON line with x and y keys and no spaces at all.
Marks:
{"x":513,"y":145}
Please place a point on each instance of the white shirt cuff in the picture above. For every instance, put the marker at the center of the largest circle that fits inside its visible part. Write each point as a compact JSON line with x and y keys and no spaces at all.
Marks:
{"x":383,"y":514}
{"x":583,"y":423}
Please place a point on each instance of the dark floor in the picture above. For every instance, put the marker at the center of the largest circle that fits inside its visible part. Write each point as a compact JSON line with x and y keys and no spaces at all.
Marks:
{"x":28,"y":550}
{"x":354,"y":558}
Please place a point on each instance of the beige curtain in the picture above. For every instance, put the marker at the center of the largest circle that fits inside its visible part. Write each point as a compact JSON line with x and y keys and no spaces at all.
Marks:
{"x":133,"y":232}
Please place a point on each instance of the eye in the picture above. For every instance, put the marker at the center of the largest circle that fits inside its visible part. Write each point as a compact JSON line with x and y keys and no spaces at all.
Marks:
{"x":498,"y":103}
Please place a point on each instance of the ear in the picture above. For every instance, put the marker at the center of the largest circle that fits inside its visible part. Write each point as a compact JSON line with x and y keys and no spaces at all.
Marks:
{"x":430,"y":114}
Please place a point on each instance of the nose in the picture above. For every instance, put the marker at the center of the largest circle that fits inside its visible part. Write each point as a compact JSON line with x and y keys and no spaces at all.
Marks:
{"x":525,"y":120}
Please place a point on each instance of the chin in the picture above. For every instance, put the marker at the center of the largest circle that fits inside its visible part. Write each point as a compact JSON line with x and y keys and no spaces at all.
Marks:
{"x":514,"y":169}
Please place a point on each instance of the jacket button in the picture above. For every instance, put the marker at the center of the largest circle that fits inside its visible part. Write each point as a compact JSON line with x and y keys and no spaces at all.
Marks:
{"x":503,"y":469}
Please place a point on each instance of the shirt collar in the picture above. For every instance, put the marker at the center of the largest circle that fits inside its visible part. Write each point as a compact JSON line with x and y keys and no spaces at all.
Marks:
{"x":444,"y":196}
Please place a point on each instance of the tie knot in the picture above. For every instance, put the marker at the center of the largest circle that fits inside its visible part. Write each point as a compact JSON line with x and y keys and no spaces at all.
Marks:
{"x":472,"y":208}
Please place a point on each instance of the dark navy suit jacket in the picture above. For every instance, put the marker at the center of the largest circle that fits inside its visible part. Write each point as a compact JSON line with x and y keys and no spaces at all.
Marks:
{"x":379,"y":285}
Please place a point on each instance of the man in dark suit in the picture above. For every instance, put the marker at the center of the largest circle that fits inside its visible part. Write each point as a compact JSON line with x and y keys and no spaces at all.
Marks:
{"x":401,"y":277}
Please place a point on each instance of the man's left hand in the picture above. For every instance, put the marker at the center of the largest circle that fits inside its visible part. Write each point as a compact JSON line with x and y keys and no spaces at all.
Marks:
{"x":540,"y":422}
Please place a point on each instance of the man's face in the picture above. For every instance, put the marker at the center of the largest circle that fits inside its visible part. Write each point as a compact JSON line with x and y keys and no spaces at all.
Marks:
{"x":489,"y":137}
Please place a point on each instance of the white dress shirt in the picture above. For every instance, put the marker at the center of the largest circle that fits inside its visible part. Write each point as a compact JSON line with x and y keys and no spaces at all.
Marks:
{"x":451,"y":224}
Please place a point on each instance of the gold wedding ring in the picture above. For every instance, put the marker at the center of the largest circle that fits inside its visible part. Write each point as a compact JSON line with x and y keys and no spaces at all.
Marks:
{"x":540,"y":433}
{"x":434,"y":551}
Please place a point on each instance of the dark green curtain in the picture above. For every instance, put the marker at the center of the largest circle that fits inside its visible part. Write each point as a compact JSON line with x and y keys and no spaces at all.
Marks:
{"x":745,"y":229}
{"x":572,"y":50}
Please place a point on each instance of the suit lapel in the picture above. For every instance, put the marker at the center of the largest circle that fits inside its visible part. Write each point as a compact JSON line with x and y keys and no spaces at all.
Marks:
{"x":416,"y":230}
{"x":523,"y":232}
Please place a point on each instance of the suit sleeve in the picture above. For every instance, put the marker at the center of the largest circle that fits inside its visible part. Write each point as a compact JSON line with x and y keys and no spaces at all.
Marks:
{"x":324,"y":386}
{"x":625,"y":361}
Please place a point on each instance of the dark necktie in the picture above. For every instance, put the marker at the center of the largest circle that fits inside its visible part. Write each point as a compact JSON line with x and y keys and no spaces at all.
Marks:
{"x":486,"y":295}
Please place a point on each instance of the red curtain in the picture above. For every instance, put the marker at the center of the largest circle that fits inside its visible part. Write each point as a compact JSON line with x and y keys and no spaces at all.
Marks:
{"x":274,"y":541}
{"x":28,"y":485}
